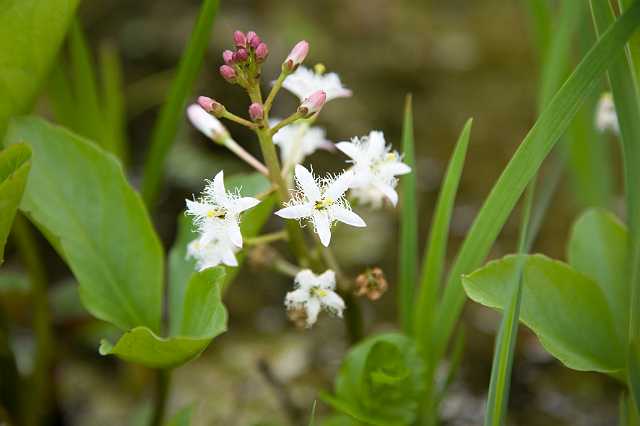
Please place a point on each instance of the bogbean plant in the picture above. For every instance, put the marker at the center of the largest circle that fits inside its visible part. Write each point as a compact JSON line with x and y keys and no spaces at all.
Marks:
{"x":76,"y":193}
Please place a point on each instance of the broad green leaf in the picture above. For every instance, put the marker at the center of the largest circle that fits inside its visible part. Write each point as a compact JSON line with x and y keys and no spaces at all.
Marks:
{"x":203,"y":318}
{"x":15,"y":163}
{"x":408,"y":255}
{"x":31,"y":32}
{"x":598,"y":249}
{"x":78,"y":195}
{"x":380,"y":381}
{"x":436,"y":249}
{"x":566,"y":309}
{"x":523,"y":166}
{"x":172,"y":113}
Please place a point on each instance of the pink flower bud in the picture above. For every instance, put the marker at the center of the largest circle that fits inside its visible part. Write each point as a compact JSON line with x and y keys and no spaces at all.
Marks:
{"x":253,"y":39}
{"x":313,"y":103}
{"x":256,"y":111}
{"x":239,"y":39}
{"x":297,"y":55}
{"x":227,"y":57}
{"x":262,"y":51}
{"x":212,"y":106}
{"x":228,"y":73}
{"x":241,"y":55}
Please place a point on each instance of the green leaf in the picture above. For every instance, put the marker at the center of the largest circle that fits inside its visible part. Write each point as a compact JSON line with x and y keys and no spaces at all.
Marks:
{"x":172,"y":113}
{"x":15,"y":163}
{"x":112,"y":91}
{"x":566,"y":309}
{"x":523,"y":166}
{"x":380,"y":381}
{"x":408,"y":255}
{"x":182,"y":417}
{"x":203,"y":318}
{"x":31,"y":32}
{"x":78,"y":195}
{"x":436,"y":249}
{"x":598,"y":249}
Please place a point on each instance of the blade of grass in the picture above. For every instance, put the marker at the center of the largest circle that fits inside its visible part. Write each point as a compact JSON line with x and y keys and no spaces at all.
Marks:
{"x":550,"y":126}
{"x":624,"y":89}
{"x":408,"y":274}
{"x":540,"y":20}
{"x":634,"y":43}
{"x":436,"y":249}
{"x":113,"y":104}
{"x":172,"y":112}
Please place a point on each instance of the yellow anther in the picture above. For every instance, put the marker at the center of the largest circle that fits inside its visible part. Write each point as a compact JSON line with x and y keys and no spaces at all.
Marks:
{"x":319,"y":292}
{"x":323,"y":203}
{"x":319,"y":69}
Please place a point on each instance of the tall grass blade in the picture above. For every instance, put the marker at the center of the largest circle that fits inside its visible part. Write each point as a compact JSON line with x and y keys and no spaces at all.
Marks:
{"x":540,"y":20}
{"x":408,"y":274}
{"x":625,"y":96}
{"x":549,"y":127}
{"x":172,"y":112}
{"x":112,"y":91}
{"x":436,"y":249}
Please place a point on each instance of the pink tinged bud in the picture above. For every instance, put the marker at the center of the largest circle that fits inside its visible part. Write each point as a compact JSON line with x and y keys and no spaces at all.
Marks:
{"x":228,"y":73}
{"x":239,"y":39}
{"x":212,"y":106}
{"x":253,"y":39}
{"x":297,"y":55}
{"x":262,"y":51}
{"x":313,"y":103}
{"x":256,"y":111}
{"x":241,"y":55}
{"x":227,"y":57}
{"x":207,"y":124}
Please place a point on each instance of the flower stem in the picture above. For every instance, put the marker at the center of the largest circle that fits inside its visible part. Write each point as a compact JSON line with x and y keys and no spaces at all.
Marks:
{"x":237,"y":119}
{"x":161,"y":395}
{"x":41,"y":397}
{"x":234,"y":147}
{"x":290,"y":119}
{"x":266,"y":238}
{"x":274,"y":91}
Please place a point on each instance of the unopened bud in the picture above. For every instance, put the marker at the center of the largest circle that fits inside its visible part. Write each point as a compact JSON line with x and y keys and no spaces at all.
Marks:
{"x":256,"y":111}
{"x":253,"y":40}
{"x":239,"y":39}
{"x":207,"y":124}
{"x":227,"y":57}
{"x":296,"y":56}
{"x":313,"y":103}
{"x":262,"y":51}
{"x":371,"y":284}
{"x":228,"y":73}
{"x":241,"y":55}
{"x":211,"y":105}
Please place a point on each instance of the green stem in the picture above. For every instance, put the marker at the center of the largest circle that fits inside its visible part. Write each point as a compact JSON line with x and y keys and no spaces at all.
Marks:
{"x":274,"y":91}
{"x":290,"y":119}
{"x":41,"y":395}
{"x":266,"y":238}
{"x":161,"y":395}
{"x":237,"y":119}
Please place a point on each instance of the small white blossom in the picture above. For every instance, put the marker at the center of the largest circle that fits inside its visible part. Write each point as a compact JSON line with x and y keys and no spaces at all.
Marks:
{"x":606,"y":117}
{"x":315,"y":292}
{"x":375,"y":167}
{"x":296,"y":141}
{"x":214,"y":249}
{"x":218,"y":210}
{"x":210,"y":126}
{"x":322,"y":203}
{"x":303,"y":82}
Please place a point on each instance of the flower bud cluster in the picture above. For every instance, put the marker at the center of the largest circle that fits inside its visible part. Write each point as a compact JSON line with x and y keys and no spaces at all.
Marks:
{"x":243,"y":64}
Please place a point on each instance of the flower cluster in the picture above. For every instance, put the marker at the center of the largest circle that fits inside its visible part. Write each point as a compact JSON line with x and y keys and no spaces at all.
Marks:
{"x":370,"y":176}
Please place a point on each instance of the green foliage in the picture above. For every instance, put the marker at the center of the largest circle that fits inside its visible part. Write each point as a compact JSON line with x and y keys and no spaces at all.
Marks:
{"x":182,"y":417}
{"x":31,"y":32}
{"x":203,"y":318}
{"x":172,"y":112}
{"x":78,"y":195}
{"x":15,"y":163}
{"x":408,"y":266}
{"x":566,"y":309}
{"x":380,"y":381}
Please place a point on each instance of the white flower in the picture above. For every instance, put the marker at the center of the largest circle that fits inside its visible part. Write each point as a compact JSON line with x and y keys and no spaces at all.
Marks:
{"x":213,"y":250}
{"x":303,"y":82}
{"x":315,"y":292}
{"x":322,"y":203}
{"x":218,"y":210}
{"x":296,"y":141}
{"x":606,"y":117}
{"x":375,"y":168}
{"x":210,"y":126}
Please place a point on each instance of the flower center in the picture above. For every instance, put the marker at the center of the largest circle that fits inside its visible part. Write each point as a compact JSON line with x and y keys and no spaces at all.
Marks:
{"x":219,"y":213}
{"x":318,"y":292}
{"x":323,"y":203}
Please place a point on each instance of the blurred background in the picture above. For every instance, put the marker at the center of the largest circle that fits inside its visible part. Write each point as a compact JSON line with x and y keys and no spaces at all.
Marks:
{"x":459,"y":59}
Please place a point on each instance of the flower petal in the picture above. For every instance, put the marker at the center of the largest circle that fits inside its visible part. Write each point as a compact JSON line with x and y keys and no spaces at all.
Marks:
{"x":219,"y":192}
{"x":376,"y":144}
{"x":396,"y":168}
{"x":322,"y":227}
{"x":339,"y":186}
{"x":245,"y":203}
{"x":233,"y":230}
{"x":304,"y":279}
{"x":333,"y":303}
{"x":327,"y":280}
{"x":388,"y":191}
{"x":229,"y":258}
{"x":307,"y":183}
{"x":350,"y":149}
{"x":296,"y":297}
{"x":313,"y":309}
{"x":347,"y":216}
{"x":296,"y":211}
